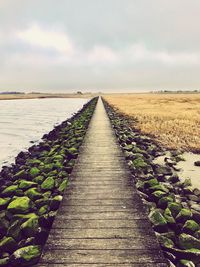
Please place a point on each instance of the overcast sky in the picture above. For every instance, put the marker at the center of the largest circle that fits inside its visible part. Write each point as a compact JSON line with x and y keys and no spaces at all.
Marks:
{"x":110,"y":45}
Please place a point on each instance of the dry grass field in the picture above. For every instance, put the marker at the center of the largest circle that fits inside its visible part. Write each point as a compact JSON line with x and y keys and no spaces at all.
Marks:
{"x":174,"y":119}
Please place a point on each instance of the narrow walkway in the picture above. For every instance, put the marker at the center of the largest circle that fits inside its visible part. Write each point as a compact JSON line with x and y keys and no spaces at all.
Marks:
{"x":102,"y":221}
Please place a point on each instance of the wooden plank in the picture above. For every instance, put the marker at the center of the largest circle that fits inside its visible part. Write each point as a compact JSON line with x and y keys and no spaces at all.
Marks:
{"x":101,"y":221}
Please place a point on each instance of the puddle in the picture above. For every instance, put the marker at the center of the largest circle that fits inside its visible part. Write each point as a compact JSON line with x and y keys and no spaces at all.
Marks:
{"x":187,"y":167}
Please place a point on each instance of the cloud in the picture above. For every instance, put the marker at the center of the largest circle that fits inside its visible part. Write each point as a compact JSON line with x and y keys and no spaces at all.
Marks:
{"x":140,"y":53}
{"x":53,"y":39}
{"x":101,"y":54}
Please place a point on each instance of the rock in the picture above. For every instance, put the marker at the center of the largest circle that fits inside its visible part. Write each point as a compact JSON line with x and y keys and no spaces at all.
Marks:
{"x":139,"y":163}
{"x":165,"y":242}
{"x":4,"y":202}
{"x":159,"y":187}
{"x":14,"y":230}
{"x":23,"y":184}
{"x":46,"y":220}
{"x":197,"y":163}
{"x":21,"y":174}
{"x":184,"y":215}
{"x":38,"y":179}
{"x":34,"y":172}
{"x":9,"y":191}
{"x":164,"y":170}
{"x":4,"y":262}
{"x":193,"y":198}
{"x":188,"y":254}
{"x":30,"y":227}
{"x":168,"y":216}
{"x":158,"y":195}
{"x":7,"y":244}
{"x":197,"y":234}
{"x":175,"y":208}
{"x":48,"y":183}
{"x":187,"y":241}
{"x":151,"y":183}
{"x":163,"y":202}
{"x":196,"y":191}
{"x":158,"y":221}
{"x":185,"y":263}
{"x":55,"y":202}
{"x":26,"y":256}
{"x":195,"y":207}
{"x":33,"y":194}
{"x":41,"y":236}
{"x":174,"y":179}
{"x":43,"y":210}
{"x":20,"y":205}
{"x":190,"y":227}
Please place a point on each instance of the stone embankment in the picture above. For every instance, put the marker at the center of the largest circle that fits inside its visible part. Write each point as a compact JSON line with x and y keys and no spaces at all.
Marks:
{"x":173,"y":205}
{"x":32,"y":188}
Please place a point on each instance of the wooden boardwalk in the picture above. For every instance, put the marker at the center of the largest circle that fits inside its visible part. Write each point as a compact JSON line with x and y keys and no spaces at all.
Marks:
{"x":102,"y":221}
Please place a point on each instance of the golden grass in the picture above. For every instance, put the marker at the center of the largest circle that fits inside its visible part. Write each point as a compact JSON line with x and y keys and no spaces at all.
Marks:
{"x":174,"y":119}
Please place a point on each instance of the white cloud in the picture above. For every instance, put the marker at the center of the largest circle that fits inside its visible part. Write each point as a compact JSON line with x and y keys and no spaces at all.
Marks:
{"x":101,"y":54}
{"x":53,"y":39}
{"x":140,"y":53}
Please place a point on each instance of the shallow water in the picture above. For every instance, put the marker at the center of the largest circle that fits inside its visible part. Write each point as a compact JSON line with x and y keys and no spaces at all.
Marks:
{"x":187,"y":167}
{"x":26,"y":120}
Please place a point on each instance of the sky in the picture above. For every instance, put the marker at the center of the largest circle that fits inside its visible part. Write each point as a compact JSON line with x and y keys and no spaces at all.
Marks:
{"x":99,"y":45}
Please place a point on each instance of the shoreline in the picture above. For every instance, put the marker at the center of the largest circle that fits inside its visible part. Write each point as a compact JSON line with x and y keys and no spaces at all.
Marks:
{"x":42,"y":96}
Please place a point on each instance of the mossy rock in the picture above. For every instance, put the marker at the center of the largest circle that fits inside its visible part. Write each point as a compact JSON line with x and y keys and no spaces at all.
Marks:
{"x":33,"y":194}
{"x":48,"y":184}
{"x":29,"y":228}
{"x":20,"y":205}
{"x":55,"y":202}
{"x":26,"y":256}
{"x":4,"y":202}
{"x":165,"y":242}
{"x":24,"y":217}
{"x":187,"y":254}
{"x":185,"y":263}
{"x":42,"y":202}
{"x":63,"y":186}
{"x":14,"y":230}
{"x":38,"y":179}
{"x":46,"y":220}
{"x":21,"y":174}
{"x":163,"y":202}
{"x":47,"y":168}
{"x":158,"y":221}
{"x":34,"y":162}
{"x":58,"y":158}
{"x":151,"y":183}
{"x":175,"y":208}
{"x":187,"y":241}
{"x":4,"y":261}
{"x":184,"y":215}
{"x":9,"y":191}
{"x":190,"y":227}
{"x":158,"y":195}
{"x":7,"y":244}
{"x":168,"y":216}
{"x":139,"y":163}
{"x":34,"y":172}
{"x":159,"y":187}
{"x":43,"y":210}
{"x":24,"y":184}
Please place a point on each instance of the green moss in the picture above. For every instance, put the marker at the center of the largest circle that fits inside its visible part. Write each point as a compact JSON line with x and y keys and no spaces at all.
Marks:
{"x":184,"y":215}
{"x":175,"y":208}
{"x":7,"y":244}
{"x":157,"y":219}
{"x":20,"y":174}
{"x":27,"y":255}
{"x":33,"y":194}
{"x":10,"y":190}
{"x":48,"y":183}
{"x":4,"y":202}
{"x":30,"y":227}
{"x":158,"y":194}
{"x":39,"y":179}
{"x":20,"y":204}
{"x":168,"y":216}
{"x":190,"y":226}
{"x":165,"y":242}
{"x":139,"y":163}
{"x":23,"y":184}
{"x":163,"y":202}
{"x":34,"y":172}
{"x":151,"y":183}
{"x":187,"y":241}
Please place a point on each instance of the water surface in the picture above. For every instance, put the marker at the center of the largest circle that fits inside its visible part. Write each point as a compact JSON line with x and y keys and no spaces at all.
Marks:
{"x":26,"y":120}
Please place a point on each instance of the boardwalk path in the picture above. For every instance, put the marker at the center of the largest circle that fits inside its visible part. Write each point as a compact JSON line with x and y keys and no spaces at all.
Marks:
{"x":102,"y":221}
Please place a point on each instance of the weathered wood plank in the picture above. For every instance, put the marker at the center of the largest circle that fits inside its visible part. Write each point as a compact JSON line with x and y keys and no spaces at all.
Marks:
{"x":101,"y":221}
